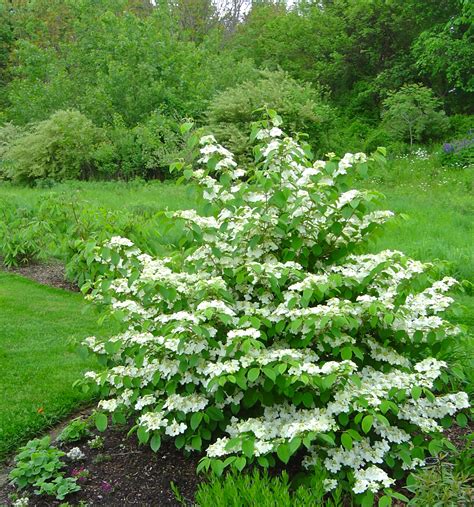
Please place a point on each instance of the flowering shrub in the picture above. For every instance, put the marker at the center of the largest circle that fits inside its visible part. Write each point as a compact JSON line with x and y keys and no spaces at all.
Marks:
{"x":270,"y":334}
{"x":459,"y":153}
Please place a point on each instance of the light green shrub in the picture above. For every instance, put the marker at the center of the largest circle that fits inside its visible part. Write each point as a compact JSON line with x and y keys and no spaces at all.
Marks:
{"x":301,"y":106}
{"x":39,"y":465}
{"x":413,"y":114}
{"x":249,"y":490}
{"x":58,"y":148}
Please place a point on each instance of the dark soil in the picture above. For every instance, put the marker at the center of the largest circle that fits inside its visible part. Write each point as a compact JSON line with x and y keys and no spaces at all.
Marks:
{"x":46,"y":273}
{"x":123,"y":473}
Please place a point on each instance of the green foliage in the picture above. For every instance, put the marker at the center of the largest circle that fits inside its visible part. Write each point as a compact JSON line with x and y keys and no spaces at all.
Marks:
{"x":362,"y":49}
{"x":76,"y":430}
{"x":39,"y":465}
{"x":301,"y":106}
{"x":412,"y":114}
{"x":444,"y":54}
{"x":107,"y":57}
{"x":9,"y":133}
{"x":256,"y":488}
{"x":136,"y":69}
{"x":23,"y":235}
{"x":448,"y":483}
{"x":460,"y":158}
{"x":63,"y":224}
{"x":460,"y":125}
{"x":58,"y":148}
{"x":145,"y":150}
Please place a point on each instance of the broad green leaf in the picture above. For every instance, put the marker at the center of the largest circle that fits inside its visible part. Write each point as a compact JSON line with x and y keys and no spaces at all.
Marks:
{"x":346,"y":441}
{"x":367,"y":423}
{"x":155,"y":443}
{"x":101,"y":421}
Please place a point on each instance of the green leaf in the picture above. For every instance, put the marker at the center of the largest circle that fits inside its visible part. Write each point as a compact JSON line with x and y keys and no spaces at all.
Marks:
{"x":385,"y":501}
{"x":434,"y":447}
{"x":367,"y":423}
{"x":416,"y":392}
{"x":461,"y":419}
{"x":253,"y":374}
{"x":248,"y":446}
{"x":196,"y":442}
{"x":346,"y":353}
{"x":240,"y":463}
{"x":383,"y":419}
{"x":346,"y":441}
{"x":343,"y":418}
{"x":155,"y":443}
{"x":143,"y":435}
{"x":217,"y":466}
{"x":101,"y":422}
{"x":400,"y":496}
{"x":196,"y":419}
{"x":270,"y":373}
{"x":368,"y":499}
{"x":215,"y":413}
{"x":284,"y":453}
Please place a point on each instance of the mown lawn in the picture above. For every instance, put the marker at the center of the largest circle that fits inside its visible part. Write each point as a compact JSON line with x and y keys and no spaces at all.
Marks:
{"x":439,"y":222}
{"x":38,"y":362}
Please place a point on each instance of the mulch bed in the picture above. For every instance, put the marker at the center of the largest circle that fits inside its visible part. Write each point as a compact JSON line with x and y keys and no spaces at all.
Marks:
{"x":124,"y":473}
{"x":46,"y":273}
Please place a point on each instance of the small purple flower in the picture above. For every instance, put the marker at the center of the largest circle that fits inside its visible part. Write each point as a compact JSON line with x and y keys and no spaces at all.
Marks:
{"x":106,"y":487}
{"x":448,"y":148}
{"x":81,"y":474}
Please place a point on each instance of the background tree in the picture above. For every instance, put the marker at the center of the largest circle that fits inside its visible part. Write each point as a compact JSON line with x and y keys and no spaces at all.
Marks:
{"x":413,"y":114}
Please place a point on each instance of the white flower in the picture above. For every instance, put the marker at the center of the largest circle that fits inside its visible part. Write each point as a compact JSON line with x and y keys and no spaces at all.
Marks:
{"x":372,"y":479}
{"x":75,"y":454}
{"x":275,"y":132}
{"x":108,"y":405}
{"x":329,"y":484}
{"x":174,"y":428}
{"x":117,"y":241}
{"x":209,"y":139}
{"x":144,"y":401}
{"x":21,"y":502}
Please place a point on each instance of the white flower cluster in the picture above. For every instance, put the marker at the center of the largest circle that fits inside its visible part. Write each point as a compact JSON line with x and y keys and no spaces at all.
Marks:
{"x":24,"y":501}
{"x":267,"y":331}
{"x":75,"y":454}
{"x":373,"y":478}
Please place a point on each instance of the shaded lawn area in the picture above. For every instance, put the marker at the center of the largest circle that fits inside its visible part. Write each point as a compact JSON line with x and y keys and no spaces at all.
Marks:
{"x":38,"y":361}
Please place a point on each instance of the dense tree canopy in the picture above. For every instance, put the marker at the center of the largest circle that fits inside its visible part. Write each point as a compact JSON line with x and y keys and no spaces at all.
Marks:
{"x":122,"y":62}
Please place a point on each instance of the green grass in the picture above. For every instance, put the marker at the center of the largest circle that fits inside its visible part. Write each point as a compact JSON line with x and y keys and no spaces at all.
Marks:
{"x":38,"y":362}
{"x":133,"y":195}
{"x":439,"y":205}
{"x":439,"y":224}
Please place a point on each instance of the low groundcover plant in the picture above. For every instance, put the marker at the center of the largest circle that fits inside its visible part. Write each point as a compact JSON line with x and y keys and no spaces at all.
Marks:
{"x":270,"y":333}
{"x":39,"y":465}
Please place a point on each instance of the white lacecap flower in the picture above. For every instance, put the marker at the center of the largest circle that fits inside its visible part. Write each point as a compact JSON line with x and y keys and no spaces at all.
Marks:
{"x":373,"y":478}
